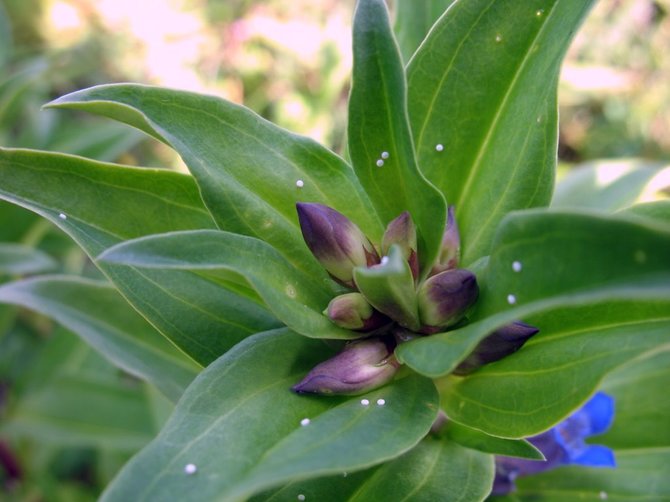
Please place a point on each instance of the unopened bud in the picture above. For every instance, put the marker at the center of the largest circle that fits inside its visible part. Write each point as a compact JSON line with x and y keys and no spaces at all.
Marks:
{"x":445,"y":298}
{"x":450,"y":249}
{"x":335,"y":241}
{"x":502,"y":342}
{"x":363,"y":365}
{"x":401,"y":231}
{"x":352,"y":311}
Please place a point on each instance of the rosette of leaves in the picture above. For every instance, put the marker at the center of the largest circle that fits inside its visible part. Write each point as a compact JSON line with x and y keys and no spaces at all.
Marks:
{"x":216,"y":263}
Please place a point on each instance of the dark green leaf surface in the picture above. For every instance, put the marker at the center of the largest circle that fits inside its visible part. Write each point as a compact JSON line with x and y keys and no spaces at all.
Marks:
{"x":246,"y":167}
{"x":413,"y":20}
{"x":378,"y":123}
{"x":100,"y":316}
{"x":202,"y":318}
{"x":483,"y":85}
{"x":433,"y":470}
{"x":477,"y":440}
{"x":600,"y":301}
{"x":640,"y":389}
{"x":16,"y":259}
{"x":241,"y":426}
{"x":294,"y":297}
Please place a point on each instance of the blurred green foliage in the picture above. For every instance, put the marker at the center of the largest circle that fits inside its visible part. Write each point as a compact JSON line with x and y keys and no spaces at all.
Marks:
{"x":288,"y":61}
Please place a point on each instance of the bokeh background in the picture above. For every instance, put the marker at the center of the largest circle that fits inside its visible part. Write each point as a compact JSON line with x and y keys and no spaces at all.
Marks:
{"x":61,"y":435}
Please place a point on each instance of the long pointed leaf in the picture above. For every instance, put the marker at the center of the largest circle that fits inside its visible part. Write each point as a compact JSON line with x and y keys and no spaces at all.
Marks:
{"x":474,"y":87}
{"x":101,"y":317}
{"x":69,"y":192}
{"x":378,"y":123}
{"x":240,"y":425}
{"x":294,"y":297}
{"x":246,"y":167}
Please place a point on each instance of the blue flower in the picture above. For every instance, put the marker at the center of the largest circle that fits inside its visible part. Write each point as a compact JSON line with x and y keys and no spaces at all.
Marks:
{"x":563,"y":445}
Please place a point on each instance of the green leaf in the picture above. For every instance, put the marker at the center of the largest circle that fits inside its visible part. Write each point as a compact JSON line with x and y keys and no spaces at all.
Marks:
{"x":69,"y":190}
{"x":413,"y":20}
{"x":639,"y":475}
{"x":433,"y":470}
{"x":473,"y":88}
{"x":241,"y":426}
{"x":610,"y":185}
{"x":378,"y":123}
{"x":16,"y":259}
{"x":642,"y":410}
{"x":658,"y":210}
{"x":477,"y":440}
{"x":389,"y":287}
{"x":76,"y":398}
{"x":602,"y":300}
{"x":294,"y":297}
{"x":246,"y":167}
{"x":101,"y":317}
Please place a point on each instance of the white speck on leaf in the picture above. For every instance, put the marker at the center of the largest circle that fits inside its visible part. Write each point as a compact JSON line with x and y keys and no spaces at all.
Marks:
{"x":381,"y":402}
{"x":439,"y":147}
{"x":539,"y":12}
{"x":385,"y":155}
{"x":300,"y":183}
{"x":190,"y":468}
{"x":385,"y":260}
{"x":498,"y":38}
{"x":380,"y":163}
{"x":516,"y":266}
{"x":290,"y":291}
{"x":305,"y":421}
{"x":301,"y":497}
{"x":62,"y":216}
{"x":365,"y":402}
{"x":602,"y":495}
{"x":511,"y":299}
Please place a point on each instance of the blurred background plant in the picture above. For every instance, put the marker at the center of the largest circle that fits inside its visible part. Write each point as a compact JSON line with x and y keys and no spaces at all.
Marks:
{"x":68,"y":418}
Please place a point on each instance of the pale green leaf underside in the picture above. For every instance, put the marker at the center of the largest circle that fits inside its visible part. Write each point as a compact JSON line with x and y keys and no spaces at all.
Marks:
{"x":378,"y":123}
{"x":474,"y":87}
{"x":16,"y":259}
{"x":433,"y":470}
{"x":294,"y":297}
{"x":412,"y":21}
{"x":100,"y":316}
{"x":246,"y":167}
{"x":202,"y":318}
{"x":240,"y":424}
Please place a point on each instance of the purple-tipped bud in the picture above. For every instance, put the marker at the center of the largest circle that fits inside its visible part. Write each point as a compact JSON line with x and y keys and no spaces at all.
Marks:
{"x":363,"y":365}
{"x":500,"y":343}
{"x":445,"y":298}
{"x":401,"y":231}
{"x":336,"y":242}
{"x":450,"y":249}
{"x":352,"y":311}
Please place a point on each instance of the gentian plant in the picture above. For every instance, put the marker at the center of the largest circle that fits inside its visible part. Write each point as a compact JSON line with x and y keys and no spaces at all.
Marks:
{"x":410,"y":322}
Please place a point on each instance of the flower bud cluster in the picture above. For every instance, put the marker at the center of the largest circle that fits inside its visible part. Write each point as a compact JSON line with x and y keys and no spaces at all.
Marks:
{"x":391,"y":298}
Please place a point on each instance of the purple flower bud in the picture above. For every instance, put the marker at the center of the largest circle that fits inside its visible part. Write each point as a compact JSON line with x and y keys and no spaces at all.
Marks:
{"x":352,"y":311}
{"x":563,"y":445}
{"x":401,"y":231}
{"x":336,"y":242}
{"x":450,"y":250}
{"x":500,"y":343}
{"x":363,"y":365}
{"x":445,"y":298}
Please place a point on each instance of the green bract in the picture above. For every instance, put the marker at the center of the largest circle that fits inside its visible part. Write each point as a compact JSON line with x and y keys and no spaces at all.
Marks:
{"x":228,"y":299}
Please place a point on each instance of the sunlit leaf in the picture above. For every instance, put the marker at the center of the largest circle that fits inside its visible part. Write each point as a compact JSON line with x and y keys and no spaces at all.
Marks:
{"x":474,"y":89}
{"x":380,"y":141}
